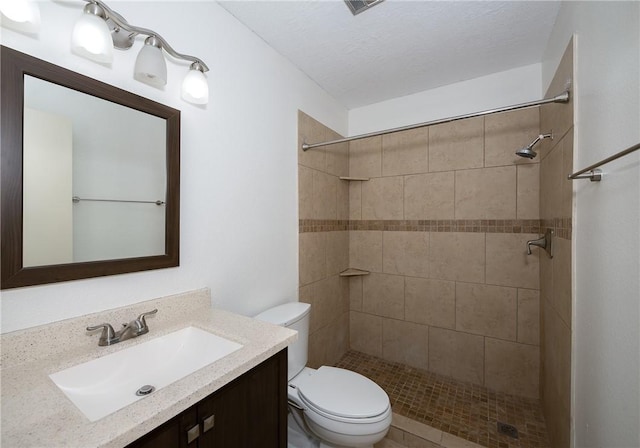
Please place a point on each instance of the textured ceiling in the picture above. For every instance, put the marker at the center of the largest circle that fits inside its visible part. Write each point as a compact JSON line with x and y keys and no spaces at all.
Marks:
{"x":399,"y":47}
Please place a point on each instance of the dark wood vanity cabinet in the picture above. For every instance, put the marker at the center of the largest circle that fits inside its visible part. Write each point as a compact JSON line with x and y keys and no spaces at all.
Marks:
{"x":249,"y":412}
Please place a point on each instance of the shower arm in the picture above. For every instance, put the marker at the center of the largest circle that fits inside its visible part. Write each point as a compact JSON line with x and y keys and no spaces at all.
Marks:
{"x":562,"y":98}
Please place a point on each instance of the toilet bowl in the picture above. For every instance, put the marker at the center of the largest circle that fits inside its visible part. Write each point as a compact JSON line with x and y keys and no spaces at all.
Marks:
{"x":340,"y":407}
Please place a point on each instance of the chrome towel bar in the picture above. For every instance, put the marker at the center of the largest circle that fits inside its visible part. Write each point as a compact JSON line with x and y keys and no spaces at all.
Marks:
{"x":595,"y":175}
{"x":78,"y":199}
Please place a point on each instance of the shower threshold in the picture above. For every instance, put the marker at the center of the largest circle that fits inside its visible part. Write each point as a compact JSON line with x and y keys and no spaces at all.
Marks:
{"x":465,"y":410}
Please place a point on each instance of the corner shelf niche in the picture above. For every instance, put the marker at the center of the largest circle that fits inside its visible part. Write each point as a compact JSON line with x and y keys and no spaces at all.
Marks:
{"x":352,"y":272}
{"x":359,"y":179}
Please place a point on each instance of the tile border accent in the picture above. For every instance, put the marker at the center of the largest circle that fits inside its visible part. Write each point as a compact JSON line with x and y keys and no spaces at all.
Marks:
{"x":562,"y":226}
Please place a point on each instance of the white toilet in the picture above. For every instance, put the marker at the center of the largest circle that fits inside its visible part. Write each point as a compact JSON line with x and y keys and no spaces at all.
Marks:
{"x":340,"y":407}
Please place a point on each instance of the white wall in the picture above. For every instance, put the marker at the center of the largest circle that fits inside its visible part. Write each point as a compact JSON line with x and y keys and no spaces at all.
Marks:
{"x":239,"y":215}
{"x":606,"y":346}
{"x":487,"y":92}
{"x":47,"y":157}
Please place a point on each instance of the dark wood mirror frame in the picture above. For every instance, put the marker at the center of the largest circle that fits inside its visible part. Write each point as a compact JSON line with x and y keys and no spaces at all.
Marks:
{"x":14,"y":67}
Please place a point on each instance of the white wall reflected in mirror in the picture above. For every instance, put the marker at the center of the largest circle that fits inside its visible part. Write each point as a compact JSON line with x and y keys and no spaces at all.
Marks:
{"x":79,"y":145}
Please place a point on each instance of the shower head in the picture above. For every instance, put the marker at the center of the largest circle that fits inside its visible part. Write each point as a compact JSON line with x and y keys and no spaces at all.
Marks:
{"x":528,"y":151}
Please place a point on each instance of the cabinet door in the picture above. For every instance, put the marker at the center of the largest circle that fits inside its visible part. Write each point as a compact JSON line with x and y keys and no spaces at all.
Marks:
{"x":251,"y":411}
{"x":172,"y":434}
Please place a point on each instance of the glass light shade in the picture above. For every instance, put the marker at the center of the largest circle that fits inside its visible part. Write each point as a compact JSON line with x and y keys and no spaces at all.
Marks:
{"x":195,"y":88}
{"x":91,"y":39}
{"x":20,"y":15}
{"x":151,"y":67}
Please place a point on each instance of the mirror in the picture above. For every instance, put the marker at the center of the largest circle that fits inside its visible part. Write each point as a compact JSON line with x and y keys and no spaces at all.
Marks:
{"x":90,"y":177}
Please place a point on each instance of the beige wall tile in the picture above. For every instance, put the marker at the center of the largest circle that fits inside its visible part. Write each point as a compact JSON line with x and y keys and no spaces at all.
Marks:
{"x":546,"y":277}
{"x":365,"y":157}
{"x":405,"y":152}
{"x":355,"y":293}
{"x":508,"y":263}
{"x":561,"y":292}
{"x":325,"y":195}
{"x":511,"y":367}
{"x":312,"y":257}
{"x":355,"y":200}
{"x":405,"y":342}
{"x":318,"y":343}
{"x":328,"y":299}
{"x":405,"y":253}
{"x":558,"y":422}
{"x":487,"y":310}
{"x":556,"y":357}
{"x":430,"y":302}
{"x":383,"y":295}
{"x":457,"y":256}
{"x":338,"y":340}
{"x":365,"y":333}
{"x":305,"y":294}
{"x":342,"y":207}
{"x":305,"y":192}
{"x":429,"y":196}
{"x":528,"y":192}
{"x":337,"y":155}
{"x":566,"y":206}
{"x":487,"y":193}
{"x":456,"y":146}
{"x":557,"y":116}
{"x":529,"y":316}
{"x":365,"y":250}
{"x":329,"y":343}
{"x":337,"y":252}
{"x":455,"y":354}
{"x":382,"y":198}
{"x":507,"y":132}
{"x":311,"y":131}
{"x":551,"y":184}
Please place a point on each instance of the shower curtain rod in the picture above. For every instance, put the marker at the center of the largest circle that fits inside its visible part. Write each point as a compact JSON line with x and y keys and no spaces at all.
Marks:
{"x":562,"y":98}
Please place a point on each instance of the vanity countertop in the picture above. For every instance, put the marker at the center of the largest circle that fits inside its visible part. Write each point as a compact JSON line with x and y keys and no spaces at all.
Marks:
{"x":35,"y":413}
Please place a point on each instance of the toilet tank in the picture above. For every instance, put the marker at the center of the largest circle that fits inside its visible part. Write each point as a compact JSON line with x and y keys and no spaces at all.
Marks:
{"x":294,"y":315}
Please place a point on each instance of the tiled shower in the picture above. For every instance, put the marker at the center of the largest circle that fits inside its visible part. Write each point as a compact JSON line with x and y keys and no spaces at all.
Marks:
{"x":439,"y":217}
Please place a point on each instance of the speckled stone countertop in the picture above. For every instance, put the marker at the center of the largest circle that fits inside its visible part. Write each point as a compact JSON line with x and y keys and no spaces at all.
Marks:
{"x":35,"y":413}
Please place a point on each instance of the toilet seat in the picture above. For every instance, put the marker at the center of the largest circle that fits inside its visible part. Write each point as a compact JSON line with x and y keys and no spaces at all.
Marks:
{"x":343,"y":396}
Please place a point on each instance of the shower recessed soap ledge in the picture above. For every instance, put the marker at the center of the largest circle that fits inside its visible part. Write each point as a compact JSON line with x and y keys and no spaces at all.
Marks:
{"x":353,"y":272}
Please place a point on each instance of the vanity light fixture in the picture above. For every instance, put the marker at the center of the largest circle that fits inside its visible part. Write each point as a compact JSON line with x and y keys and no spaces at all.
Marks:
{"x":91,"y":36}
{"x":194,"y":86}
{"x":150,"y":66}
{"x":20,"y":15}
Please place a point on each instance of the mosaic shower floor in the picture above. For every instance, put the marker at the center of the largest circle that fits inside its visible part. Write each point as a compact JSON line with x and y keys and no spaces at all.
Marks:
{"x":465,"y":410}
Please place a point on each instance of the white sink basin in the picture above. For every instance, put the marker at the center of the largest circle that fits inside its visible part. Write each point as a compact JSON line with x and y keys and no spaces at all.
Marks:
{"x":104,"y":385}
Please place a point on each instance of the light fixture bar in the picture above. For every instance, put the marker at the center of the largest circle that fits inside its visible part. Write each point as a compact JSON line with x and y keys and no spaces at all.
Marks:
{"x":121,"y":22}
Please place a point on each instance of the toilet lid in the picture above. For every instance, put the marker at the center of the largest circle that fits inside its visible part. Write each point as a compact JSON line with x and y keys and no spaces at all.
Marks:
{"x":343,"y":393}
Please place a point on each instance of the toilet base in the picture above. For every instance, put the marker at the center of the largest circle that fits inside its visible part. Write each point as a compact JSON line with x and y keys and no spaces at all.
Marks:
{"x":300,"y":435}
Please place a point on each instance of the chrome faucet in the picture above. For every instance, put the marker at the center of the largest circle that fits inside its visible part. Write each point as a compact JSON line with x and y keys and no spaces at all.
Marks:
{"x":133,"y":329}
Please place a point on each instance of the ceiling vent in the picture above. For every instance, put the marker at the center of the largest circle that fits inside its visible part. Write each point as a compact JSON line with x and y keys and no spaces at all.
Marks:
{"x":357,"y":6}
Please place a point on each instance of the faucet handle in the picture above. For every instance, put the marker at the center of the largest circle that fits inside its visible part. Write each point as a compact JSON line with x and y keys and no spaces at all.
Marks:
{"x":143,"y":323}
{"x":108,"y":336}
